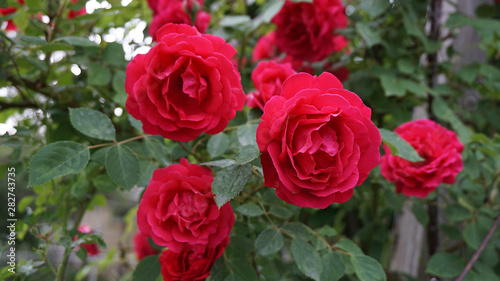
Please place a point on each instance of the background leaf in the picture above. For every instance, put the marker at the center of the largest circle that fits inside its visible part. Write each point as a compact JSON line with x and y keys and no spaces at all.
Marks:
{"x":229,"y":182}
{"x":92,"y":123}
{"x":122,"y":166}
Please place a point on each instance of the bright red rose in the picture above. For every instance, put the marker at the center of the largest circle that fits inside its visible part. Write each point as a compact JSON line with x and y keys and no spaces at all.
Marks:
{"x":178,"y":209}
{"x":185,"y":85}
{"x":74,"y":13}
{"x":268,"y":77}
{"x":92,"y":248}
{"x":190,"y":265}
{"x":339,"y":43}
{"x":306,"y":30}
{"x":177,"y":11}
{"x":317,"y":141}
{"x":142,"y":247}
{"x":440,"y":149}
{"x":7,"y":11}
{"x":265,"y":48}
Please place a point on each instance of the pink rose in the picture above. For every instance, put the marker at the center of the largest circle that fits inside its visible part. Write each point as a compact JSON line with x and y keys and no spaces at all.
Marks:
{"x":185,"y":85}
{"x":190,"y":265}
{"x":178,"y":209}
{"x":317,"y":141}
{"x":306,"y":30}
{"x":268,"y":77}
{"x":92,"y":248}
{"x":440,"y":149}
{"x":142,"y":248}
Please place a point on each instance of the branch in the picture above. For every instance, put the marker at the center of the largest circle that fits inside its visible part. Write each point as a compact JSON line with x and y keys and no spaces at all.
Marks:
{"x":478,"y":252}
{"x":23,"y":104}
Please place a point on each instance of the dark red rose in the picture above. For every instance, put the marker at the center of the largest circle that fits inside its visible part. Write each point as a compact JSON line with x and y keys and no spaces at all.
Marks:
{"x":317,"y":141}
{"x":92,"y":248}
{"x":178,"y":11}
{"x":306,"y":30}
{"x":440,"y":149}
{"x":185,"y":85}
{"x":268,"y":77}
{"x":190,"y":265}
{"x":142,"y":247}
{"x":341,"y":72}
{"x":178,"y":209}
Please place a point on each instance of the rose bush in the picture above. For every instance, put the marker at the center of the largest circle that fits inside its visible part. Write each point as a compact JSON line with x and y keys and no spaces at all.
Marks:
{"x":178,"y":210}
{"x":441,"y":151}
{"x":305,"y":31}
{"x":268,"y":77}
{"x":317,"y":141}
{"x":185,"y":85}
{"x":190,"y":265}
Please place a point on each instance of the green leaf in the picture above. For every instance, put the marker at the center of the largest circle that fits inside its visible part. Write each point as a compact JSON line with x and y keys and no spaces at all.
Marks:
{"x":237,"y":22}
{"x":122,"y":166}
{"x":104,"y":183}
{"x":24,"y":203}
{"x":250,"y":210}
{"x":369,"y":35}
{"x":247,"y":134}
{"x":79,"y":189}
{"x":445,"y":265}
{"x":223,"y":163}
{"x":247,"y":154}
{"x":455,"y":213}
{"x":147,"y":168}
{"x":92,"y":123}
{"x":349,"y":246}
{"x":280,"y":212}
{"x":98,"y":74}
{"x":269,"y":242}
{"x":229,"y":182}
{"x":399,"y":146}
{"x":269,"y":10}
{"x":118,"y":84}
{"x":367,"y":268}
{"x":298,"y":230}
{"x":392,"y":86}
{"x":444,"y":113}
{"x":147,"y":269}
{"x":473,"y":235}
{"x":420,"y":213}
{"x":158,"y":150}
{"x":113,"y":54}
{"x":52,"y":47}
{"x":375,"y":7}
{"x":56,"y":160}
{"x":306,"y":258}
{"x":217,"y":144}
{"x":77,"y":41}
{"x":333,"y":266}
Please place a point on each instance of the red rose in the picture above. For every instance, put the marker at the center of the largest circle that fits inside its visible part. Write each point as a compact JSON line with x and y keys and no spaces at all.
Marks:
{"x":185,"y":85}
{"x":265,"y":48}
{"x":341,"y":72}
{"x":7,"y":11}
{"x":440,"y":149}
{"x":190,"y":265}
{"x":177,"y":11}
{"x":142,"y":247}
{"x":306,"y":30}
{"x":268,"y":77}
{"x":74,"y":13}
{"x":178,"y":209}
{"x":92,"y":248}
{"x":317,"y":141}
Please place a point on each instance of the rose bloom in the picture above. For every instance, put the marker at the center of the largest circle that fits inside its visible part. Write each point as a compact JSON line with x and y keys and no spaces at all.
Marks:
{"x":92,"y":248}
{"x":74,"y":13}
{"x":440,"y":149}
{"x":317,"y":141}
{"x":7,"y":11}
{"x":177,"y":11}
{"x":268,"y":77}
{"x":142,"y":247}
{"x":306,"y":30}
{"x":190,"y":265}
{"x":185,"y":85}
{"x":178,"y":209}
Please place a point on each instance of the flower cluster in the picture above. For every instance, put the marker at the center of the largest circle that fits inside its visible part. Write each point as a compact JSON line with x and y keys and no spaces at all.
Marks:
{"x":178,"y":211}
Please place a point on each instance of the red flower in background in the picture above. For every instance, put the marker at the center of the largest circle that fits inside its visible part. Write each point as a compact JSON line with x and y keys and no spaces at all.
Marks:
{"x":440,"y":149}
{"x":317,"y":141}
{"x":8,"y":11}
{"x":190,"y":265}
{"x":177,"y":11}
{"x":178,"y":209}
{"x":74,"y":13}
{"x":142,"y":247}
{"x":268,"y":77}
{"x":92,"y":248}
{"x":185,"y":85}
{"x":305,"y":31}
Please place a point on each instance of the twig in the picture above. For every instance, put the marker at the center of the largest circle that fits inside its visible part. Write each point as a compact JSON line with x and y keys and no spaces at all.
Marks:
{"x":478,"y":252}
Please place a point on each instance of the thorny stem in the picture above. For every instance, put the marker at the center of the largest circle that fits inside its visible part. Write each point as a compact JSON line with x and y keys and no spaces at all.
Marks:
{"x":478,"y":252}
